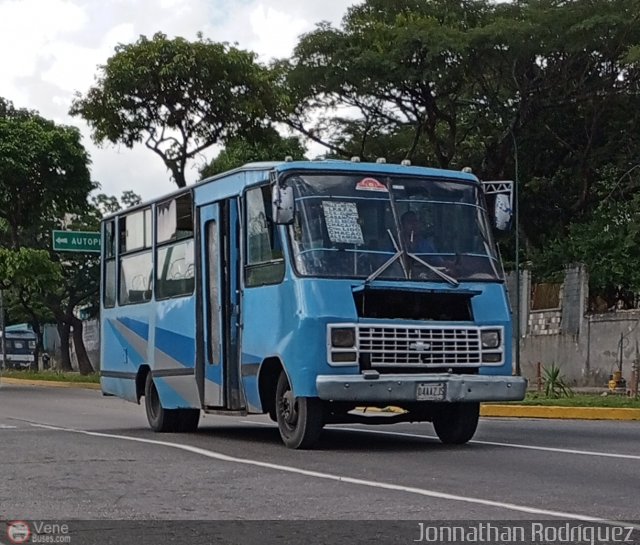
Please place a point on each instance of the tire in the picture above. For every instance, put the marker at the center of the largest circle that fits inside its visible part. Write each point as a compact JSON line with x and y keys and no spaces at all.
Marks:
{"x":160,"y":419}
{"x":300,"y":419}
{"x":188,"y":420}
{"x":455,"y":423}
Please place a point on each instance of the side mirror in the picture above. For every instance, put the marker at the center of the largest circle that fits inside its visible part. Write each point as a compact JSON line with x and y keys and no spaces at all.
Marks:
{"x":503,"y":208}
{"x":502,"y":212}
{"x":282,"y":204}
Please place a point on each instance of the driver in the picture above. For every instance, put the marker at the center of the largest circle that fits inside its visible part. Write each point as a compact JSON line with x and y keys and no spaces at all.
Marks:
{"x":412,"y":235}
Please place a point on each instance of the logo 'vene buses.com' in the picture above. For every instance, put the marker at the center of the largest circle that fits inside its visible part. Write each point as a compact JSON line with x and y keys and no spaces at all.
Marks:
{"x":18,"y":531}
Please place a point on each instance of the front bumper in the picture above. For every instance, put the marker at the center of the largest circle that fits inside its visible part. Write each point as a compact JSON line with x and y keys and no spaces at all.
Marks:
{"x":401,"y":387}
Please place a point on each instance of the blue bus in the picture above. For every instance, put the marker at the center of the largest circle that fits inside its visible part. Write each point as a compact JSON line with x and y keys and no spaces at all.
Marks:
{"x":308,"y":290}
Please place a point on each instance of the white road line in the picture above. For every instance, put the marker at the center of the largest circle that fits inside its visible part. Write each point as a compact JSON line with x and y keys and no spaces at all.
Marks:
{"x":508,"y":445}
{"x":351,"y":480}
{"x":7,"y":427}
{"x":490,"y":443}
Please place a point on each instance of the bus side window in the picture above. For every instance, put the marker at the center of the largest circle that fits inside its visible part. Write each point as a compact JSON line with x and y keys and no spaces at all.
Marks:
{"x":109,"y":264}
{"x":135,"y":278}
{"x":264,"y":260}
{"x":175,"y":258}
{"x":175,"y":270}
{"x":136,"y":259}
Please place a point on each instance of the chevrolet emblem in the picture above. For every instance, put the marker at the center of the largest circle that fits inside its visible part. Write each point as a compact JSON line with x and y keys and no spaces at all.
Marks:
{"x":420,"y":346}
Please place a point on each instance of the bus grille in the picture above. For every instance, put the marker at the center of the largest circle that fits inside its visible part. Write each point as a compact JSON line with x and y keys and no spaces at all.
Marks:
{"x":420,"y":346}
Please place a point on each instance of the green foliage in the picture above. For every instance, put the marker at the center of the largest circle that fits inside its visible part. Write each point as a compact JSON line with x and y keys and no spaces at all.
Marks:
{"x":108,"y":204}
{"x":130,"y":198}
{"x":29,"y":275}
{"x":553,"y":86}
{"x":44,"y":183}
{"x":43,"y":174}
{"x":28,"y":268}
{"x":265,"y":145}
{"x":554,"y":382}
{"x":177,"y":97}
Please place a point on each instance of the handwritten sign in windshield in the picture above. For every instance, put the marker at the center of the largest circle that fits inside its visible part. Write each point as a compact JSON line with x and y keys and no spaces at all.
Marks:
{"x":342,"y":222}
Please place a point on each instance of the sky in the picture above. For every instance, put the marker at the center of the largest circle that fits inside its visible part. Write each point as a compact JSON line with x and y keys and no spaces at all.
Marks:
{"x":51,"y":49}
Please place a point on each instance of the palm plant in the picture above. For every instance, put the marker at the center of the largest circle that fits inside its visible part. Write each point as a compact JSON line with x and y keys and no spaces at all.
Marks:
{"x":555,"y":384}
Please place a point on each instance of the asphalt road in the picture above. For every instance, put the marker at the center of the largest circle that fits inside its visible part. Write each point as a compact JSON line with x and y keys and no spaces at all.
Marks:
{"x":74,"y":454}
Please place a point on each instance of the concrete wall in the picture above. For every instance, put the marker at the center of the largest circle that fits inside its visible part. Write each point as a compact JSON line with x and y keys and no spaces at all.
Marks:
{"x":586,"y":347}
{"x":91,"y":338}
{"x":90,"y":335}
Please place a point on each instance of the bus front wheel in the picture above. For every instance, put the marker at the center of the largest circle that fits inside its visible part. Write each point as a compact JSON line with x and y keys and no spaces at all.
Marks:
{"x":455,"y":423}
{"x":300,"y":419}
{"x":167,"y":420}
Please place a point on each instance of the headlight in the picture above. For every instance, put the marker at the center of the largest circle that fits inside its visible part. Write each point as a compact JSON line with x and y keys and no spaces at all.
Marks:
{"x":343,"y":337}
{"x":490,"y":338}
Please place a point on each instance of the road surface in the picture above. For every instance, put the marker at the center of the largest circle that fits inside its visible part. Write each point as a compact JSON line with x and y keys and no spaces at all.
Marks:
{"x":70,"y":454}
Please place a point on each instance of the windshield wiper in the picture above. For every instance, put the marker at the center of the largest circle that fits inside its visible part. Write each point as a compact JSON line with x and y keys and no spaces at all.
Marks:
{"x":442,"y":275}
{"x":400,"y":252}
{"x":396,"y":220}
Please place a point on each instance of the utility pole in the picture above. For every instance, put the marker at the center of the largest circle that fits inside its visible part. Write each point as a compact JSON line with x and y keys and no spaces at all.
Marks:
{"x":2,"y":329}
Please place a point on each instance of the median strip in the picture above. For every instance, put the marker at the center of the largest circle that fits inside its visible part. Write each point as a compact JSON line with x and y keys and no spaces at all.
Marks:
{"x":48,"y":383}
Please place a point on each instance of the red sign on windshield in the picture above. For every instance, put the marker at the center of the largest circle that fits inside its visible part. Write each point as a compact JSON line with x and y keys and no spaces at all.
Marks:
{"x":370,"y":184}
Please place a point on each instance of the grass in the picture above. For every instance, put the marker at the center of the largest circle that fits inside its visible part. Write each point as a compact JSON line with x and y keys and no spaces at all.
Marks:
{"x":582,"y":400}
{"x":55,"y":376}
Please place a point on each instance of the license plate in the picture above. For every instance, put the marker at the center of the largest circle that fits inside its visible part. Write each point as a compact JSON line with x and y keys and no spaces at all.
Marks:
{"x":430,"y":391}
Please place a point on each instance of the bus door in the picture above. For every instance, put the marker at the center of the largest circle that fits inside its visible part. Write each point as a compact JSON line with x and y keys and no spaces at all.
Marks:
{"x":219,"y":377}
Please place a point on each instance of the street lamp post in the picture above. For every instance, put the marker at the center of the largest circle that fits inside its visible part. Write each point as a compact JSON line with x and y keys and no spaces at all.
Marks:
{"x":2,"y":329}
{"x":516,"y":218}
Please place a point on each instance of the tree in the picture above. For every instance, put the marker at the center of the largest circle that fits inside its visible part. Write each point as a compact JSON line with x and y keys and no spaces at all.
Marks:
{"x":43,"y":174}
{"x":177,"y":97}
{"x":44,"y":181}
{"x":267,"y":145}
{"x":397,"y":68}
{"x":27,"y":274}
{"x":550,"y":86}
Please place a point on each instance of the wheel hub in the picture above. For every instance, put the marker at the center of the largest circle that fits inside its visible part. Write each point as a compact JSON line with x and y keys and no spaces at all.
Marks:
{"x":289,"y":411}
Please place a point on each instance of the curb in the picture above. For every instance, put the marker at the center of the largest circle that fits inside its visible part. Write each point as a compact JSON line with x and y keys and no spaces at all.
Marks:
{"x":551,"y":411}
{"x":49,"y":383}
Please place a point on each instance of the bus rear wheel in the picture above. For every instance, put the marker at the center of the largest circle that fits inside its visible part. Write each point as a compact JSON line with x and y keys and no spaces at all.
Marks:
{"x":300,"y":419}
{"x":456,"y":423}
{"x":167,"y":420}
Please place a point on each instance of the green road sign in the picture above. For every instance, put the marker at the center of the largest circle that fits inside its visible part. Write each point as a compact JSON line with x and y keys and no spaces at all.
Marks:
{"x":76,"y":241}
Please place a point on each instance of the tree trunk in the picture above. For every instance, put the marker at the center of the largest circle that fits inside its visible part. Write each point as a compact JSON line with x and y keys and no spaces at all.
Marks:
{"x":65,"y":357}
{"x":35,"y":325}
{"x":84,"y":363}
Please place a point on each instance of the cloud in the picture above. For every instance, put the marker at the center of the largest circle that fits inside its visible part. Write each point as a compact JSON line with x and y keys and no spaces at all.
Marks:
{"x":52,"y":48}
{"x":26,"y":33}
{"x":275,"y":31}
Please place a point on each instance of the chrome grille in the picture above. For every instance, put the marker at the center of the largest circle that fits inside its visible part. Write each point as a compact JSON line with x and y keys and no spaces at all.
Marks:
{"x":420,"y":346}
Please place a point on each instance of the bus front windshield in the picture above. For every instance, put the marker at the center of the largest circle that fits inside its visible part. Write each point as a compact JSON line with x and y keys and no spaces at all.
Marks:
{"x":391,"y":228}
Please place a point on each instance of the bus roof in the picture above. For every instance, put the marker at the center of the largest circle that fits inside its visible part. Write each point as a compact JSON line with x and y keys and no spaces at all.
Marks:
{"x":320,"y":165}
{"x":19,"y":334}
